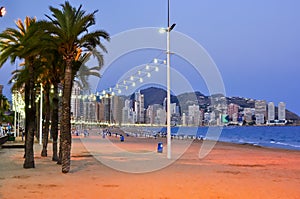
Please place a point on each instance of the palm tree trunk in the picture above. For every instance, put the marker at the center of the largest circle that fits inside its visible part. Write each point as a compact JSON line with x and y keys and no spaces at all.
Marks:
{"x":27,"y":102}
{"x":47,"y":120}
{"x":66,"y":139}
{"x":60,"y":151}
{"x":30,"y":117}
{"x":54,"y":123}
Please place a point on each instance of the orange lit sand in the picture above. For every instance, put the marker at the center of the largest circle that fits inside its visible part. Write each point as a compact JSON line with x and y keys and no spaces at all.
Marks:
{"x":229,"y":171}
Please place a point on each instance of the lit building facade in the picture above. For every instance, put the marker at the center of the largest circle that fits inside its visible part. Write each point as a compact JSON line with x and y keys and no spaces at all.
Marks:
{"x":271,"y":112}
{"x":233,"y":111}
{"x":260,"y":111}
{"x":281,"y":112}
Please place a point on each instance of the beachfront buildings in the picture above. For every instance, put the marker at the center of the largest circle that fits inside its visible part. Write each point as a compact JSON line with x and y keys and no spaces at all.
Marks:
{"x":195,"y":115}
{"x":135,"y":109}
{"x":248,"y":114}
{"x":271,"y":112}
{"x":260,"y":111}
{"x":281,"y":112}
{"x":139,"y":108}
{"x":233,"y":112}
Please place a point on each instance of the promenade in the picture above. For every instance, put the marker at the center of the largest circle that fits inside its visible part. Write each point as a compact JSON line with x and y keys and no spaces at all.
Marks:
{"x":229,"y":171}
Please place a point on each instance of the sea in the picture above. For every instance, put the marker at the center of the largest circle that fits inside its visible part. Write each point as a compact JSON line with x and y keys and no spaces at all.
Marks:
{"x":284,"y":137}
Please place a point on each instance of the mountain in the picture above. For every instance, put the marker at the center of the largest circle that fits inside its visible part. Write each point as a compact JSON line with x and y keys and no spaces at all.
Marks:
{"x":153,"y":95}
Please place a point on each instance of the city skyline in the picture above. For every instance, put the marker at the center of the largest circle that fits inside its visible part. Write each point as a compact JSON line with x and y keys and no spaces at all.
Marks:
{"x":254,"y":44}
{"x":122,"y":110}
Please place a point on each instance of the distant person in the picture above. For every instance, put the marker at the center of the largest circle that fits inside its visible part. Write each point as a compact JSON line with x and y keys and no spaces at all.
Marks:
{"x":23,"y":133}
{"x":86,"y":133}
{"x":9,"y":128}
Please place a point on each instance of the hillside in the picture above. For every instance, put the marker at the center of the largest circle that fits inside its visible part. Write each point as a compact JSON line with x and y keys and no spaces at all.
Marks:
{"x":154,"y":95}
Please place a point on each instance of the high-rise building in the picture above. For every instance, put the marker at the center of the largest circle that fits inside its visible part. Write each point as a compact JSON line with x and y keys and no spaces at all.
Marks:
{"x":194,"y":115}
{"x":125,"y":115}
{"x":152,"y":113}
{"x":89,"y":110}
{"x":183,"y":119}
{"x":76,"y":105}
{"x":100,"y":111}
{"x":126,"y":112}
{"x":281,"y":111}
{"x":248,"y":113}
{"x":139,"y":107}
{"x":161,"y":116}
{"x":107,"y":109}
{"x":173,"y":108}
{"x":117,"y":103}
{"x":232,"y":111}
{"x":260,"y":111}
{"x":271,"y":112}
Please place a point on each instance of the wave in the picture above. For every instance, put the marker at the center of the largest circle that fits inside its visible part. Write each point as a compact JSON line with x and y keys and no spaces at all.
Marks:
{"x":285,"y":144}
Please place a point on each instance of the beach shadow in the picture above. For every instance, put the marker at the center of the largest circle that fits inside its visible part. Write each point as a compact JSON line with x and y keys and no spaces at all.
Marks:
{"x":247,"y":165}
{"x":21,"y":177}
{"x":80,"y":162}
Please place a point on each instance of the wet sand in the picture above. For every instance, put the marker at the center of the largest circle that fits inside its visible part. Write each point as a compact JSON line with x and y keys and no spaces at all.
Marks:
{"x":228,"y":171}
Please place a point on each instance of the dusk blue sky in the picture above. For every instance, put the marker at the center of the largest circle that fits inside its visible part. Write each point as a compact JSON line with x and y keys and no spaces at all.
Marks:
{"x":255,"y":44}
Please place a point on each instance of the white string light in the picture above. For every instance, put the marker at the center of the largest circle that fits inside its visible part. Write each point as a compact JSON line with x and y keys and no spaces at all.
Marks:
{"x":136,"y":77}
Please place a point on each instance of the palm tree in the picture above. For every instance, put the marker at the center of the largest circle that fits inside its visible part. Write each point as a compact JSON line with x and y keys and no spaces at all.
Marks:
{"x":85,"y":71}
{"x":70,"y":29}
{"x":22,"y":43}
{"x":55,"y":68}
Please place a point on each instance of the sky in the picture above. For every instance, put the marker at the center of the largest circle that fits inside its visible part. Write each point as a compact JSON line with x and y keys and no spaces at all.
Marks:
{"x":254,"y":44}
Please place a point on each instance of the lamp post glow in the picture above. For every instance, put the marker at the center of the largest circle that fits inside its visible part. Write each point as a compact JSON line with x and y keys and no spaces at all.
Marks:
{"x":2,"y":11}
{"x":169,"y":29}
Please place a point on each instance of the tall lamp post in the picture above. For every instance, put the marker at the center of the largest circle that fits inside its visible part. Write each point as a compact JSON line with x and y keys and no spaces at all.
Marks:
{"x":169,"y":29}
{"x":41,"y":115}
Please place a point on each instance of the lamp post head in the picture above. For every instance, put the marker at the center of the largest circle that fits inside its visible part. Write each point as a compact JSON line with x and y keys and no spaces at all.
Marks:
{"x":2,"y":11}
{"x":168,"y":29}
{"x":172,"y":27}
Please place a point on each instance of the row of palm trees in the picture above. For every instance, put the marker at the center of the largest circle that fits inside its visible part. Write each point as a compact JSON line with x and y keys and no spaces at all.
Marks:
{"x":53,"y":52}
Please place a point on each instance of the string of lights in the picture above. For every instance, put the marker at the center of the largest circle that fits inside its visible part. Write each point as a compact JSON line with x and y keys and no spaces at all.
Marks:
{"x":137,"y":77}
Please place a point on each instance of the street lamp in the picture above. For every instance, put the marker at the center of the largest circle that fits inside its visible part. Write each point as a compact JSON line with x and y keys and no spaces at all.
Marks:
{"x":169,"y":29}
{"x":41,"y":114}
{"x":2,"y":11}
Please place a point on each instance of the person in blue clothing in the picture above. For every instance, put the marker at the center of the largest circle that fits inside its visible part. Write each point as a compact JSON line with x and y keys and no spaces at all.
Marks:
{"x":85,"y":132}
{"x":9,"y":127}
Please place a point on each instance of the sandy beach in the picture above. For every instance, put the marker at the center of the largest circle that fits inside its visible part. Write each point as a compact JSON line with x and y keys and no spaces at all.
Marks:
{"x":228,"y":171}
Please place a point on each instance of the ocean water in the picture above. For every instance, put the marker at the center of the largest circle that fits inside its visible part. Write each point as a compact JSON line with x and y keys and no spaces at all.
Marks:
{"x":285,"y":137}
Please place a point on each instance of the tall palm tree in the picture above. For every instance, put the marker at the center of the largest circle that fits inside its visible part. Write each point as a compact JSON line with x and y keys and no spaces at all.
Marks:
{"x":22,"y":43}
{"x":70,"y":29}
{"x":55,"y":68}
{"x":50,"y":74}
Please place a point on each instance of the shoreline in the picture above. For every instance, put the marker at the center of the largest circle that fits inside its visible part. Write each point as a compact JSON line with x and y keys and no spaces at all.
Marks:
{"x":271,"y":144}
{"x":228,"y":171}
